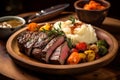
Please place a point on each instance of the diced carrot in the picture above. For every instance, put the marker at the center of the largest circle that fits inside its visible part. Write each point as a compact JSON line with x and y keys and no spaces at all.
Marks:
{"x":32,"y":26}
{"x":74,"y":58}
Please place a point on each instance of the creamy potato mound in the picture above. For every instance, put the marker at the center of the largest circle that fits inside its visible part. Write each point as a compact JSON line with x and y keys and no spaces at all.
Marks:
{"x":77,"y":32}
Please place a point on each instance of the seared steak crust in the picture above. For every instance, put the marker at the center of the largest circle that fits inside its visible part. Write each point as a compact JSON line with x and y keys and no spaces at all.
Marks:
{"x":48,"y":49}
{"x":22,"y":39}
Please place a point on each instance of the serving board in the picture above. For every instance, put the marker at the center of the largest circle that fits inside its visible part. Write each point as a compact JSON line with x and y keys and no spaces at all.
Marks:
{"x":110,"y":72}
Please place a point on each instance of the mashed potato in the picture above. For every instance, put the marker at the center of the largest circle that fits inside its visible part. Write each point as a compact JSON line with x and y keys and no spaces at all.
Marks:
{"x":77,"y":32}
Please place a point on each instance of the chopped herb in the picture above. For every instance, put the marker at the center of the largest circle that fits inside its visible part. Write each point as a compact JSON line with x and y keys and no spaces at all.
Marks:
{"x":54,"y":31}
{"x":59,"y":25}
{"x":45,"y":31}
{"x":72,"y":19}
{"x":69,"y":42}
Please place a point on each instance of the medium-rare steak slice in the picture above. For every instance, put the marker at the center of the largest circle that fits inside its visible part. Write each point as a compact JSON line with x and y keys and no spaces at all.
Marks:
{"x":65,"y":52}
{"x":54,"y":59}
{"x":41,"y":55}
{"x":37,"y":50}
{"x":58,"y":42}
{"x":60,"y":54}
{"x":44,"y":55}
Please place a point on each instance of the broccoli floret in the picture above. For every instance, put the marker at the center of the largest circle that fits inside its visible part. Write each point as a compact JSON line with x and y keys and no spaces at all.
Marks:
{"x":102,"y":50}
{"x":102,"y":43}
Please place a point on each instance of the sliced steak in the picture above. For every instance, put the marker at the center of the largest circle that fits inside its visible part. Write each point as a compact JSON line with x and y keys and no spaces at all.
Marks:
{"x":38,"y":51}
{"x":22,"y":39}
{"x":54,"y":59}
{"x":42,"y":42}
{"x":58,"y":42}
{"x":41,"y":38}
{"x":45,"y":54}
{"x":44,"y":51}
{"x":60,"y":54}
{"x":28,"y":45}
{"x":65,"y":52}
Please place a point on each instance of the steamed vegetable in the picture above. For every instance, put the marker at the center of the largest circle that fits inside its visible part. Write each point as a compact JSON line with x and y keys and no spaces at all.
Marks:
{"x":102,"y":43}
{"x":74,"y":58}
{"x":47,"y":26}
{"x":82,"y":46}
{"x":90,"y":55}
{"x":33,"y":26}
{"x":94,"y":47}
{"x":82,"y":56}
{"x":102,"y":50}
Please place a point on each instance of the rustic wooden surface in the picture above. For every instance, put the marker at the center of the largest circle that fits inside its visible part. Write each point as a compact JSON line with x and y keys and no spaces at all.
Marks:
{"x":9,"y":70}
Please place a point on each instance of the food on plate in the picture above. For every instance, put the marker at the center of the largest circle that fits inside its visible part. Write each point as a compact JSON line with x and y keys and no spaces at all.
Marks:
{"x":33,"y":26}
{"x":60,"y":54}
{"x":47,"y":26}
{"x":62,"y":42}
{"x":93,"y":5}
{"x":74,"y":58}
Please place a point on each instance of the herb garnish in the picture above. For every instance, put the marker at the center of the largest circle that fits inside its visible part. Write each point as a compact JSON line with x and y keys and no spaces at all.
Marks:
{"x":72,"y":19}
{"x":54,"y":31}
{"x":69,"y":42}
{"x":59,"y":25}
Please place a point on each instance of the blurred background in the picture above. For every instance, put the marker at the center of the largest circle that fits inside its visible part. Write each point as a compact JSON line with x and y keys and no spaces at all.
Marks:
{"x":15,"y":7}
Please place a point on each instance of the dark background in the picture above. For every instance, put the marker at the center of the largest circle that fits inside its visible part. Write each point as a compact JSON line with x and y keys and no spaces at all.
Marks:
{"x":14,"y":7}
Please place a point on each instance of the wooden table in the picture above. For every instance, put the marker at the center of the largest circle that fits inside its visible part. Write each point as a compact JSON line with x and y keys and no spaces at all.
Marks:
{"x":9,"y":70}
